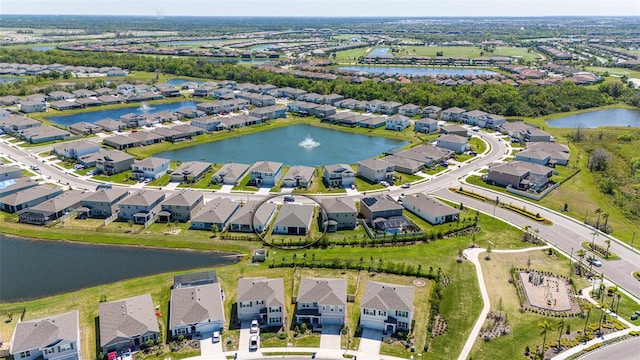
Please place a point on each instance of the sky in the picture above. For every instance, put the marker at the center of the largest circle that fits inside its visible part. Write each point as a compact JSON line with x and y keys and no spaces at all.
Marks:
{"x":325,"y":8}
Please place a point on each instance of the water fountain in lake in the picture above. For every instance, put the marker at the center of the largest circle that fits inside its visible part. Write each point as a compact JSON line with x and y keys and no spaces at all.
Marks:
{"x":308,"y":143}
{"x":144,"y":108}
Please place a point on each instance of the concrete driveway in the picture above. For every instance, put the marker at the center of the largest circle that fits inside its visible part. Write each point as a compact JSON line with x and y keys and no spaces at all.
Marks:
{"x":370,"y":341}
{"x":211,"y":350}
{"x":330,"y":337}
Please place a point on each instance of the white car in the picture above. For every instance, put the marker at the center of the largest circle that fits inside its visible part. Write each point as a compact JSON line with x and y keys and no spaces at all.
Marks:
{"x":595,"y":262}
{"x":254,"y":326}
{"x":253,"y":343}
{"x":215,"y":338}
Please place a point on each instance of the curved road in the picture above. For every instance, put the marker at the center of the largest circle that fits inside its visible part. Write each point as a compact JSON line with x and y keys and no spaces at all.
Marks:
{"x":565,"y":233}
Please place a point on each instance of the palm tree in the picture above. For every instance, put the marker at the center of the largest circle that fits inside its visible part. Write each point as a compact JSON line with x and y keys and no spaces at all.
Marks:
{"x":588,"y":307}
{"x":581,"y":254}
{"x":560,"y":324}
{"x":614,"y":294}
{"x":603,"y":312}
{"x":598,"y":211}
{"x":545,"y":327}
{"x":608,"y":242}
{"x":606,"y":221}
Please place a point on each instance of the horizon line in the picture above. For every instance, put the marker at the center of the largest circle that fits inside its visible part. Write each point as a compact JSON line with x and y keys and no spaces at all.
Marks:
{"x":334,"y":17}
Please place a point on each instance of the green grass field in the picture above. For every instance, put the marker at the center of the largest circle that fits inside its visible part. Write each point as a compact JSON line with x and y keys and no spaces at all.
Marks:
{"x":614,"y":71}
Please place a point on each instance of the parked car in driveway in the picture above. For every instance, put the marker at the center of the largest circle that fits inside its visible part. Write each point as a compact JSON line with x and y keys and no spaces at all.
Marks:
{"x":254,"y":326}
{"x":215,"y":338}
{"x":253,"y":343}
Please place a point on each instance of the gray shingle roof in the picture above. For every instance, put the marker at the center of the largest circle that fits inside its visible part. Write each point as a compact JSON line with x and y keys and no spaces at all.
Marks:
{"x":105,"y":195}
{"x":127,"y":317}
{"x":245,"y":215}
{"x":151,"y":162}
{"x":261,"y":288}
{"x":333,"y":205}
{"x":216,"y":211}
{"x":293,"y":215}
{"x":143,"y":197}
{"x":183,"y":198}
{"x":38,"y":333}
{"x":195,"y":304}
{"x":304,"y":173}
{"x":383,"y":296}
{"x":428,"y":205}
{"x":266,"y":166}
{"x":380,"y":203}
{"x":374,"y":163}
{"x":324,"y":291}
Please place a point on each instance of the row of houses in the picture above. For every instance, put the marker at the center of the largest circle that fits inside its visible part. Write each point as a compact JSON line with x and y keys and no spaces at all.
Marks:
{"x":40,"y":69}
{"x":196,"y":309}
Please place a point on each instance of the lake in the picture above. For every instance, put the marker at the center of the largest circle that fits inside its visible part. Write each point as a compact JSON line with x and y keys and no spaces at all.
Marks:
{"x":392,"y":70}
{"x":34,"y":269}
{"x":594,"y":119}
{"x":180,"y":82}
{"x":10,"y":79}
{"x":263,"y":47}
{"x":383,"y":52}
{"x":115,"y":114}
{"x":283,"y":145}
{"x":43,"y":48}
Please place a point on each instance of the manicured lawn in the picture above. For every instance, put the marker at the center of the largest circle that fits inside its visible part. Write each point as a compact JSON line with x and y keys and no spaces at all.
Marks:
{"x":524,"y":326}
{"x":471,"y":52}
{"x":364,"y":185}
{"x":121,"y":178}
{"x":350,"y":56}
{"x":161,"y":181}
{"x":614,"y":71}
{"x":242,"y":185}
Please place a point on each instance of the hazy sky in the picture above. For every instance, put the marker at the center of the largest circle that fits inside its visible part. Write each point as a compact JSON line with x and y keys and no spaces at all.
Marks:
{"x":324,"y":7}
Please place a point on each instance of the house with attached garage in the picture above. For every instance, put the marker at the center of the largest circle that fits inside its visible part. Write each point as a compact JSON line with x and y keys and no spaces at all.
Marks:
{"x":432,"y":112}
{"x":321,"y":302}
{"x":454,"y":143}
{"x":206,"y":123}
{"x":454,"y":130}
{"x":299,"y":177}
{"x":430,"y":209}
{"x":181,"y":206}
{"x":254,"y":216}
{"x":339,"y":175}
{"x":473,"y":117}
{"x":559,"y":153}
{"x":386,"y":307}
{"x":110,"y":125}
{"x":190,"y":172}
{"x":150,"y":168}
{"x":216,"y":212}
{"x":262,"y":299}
{"x":339,"y":213}
{"x":84,"y":128}
{"x":121,"y":142}
{"x":27,"y":198}
{"x":230,"y":174}
{"x":294,"y":219}
{"x":127,"y":324}
{"x":147,"y":137}
{"x":10,"y":172}
{"x":196,"y":310}
{"x":269,"y":112}
{"x":142,"y":206}
{"x":55,"y":337}
{"x":265,"y":173}
{"x":32,"y":106}
{"x":103,"y":203}
{"x":375,"y":170}
{"x":519,"y":175}
{"x":52,"y":209}
{"x":111,"y":162}
{"x":377,"y":207}
{"x":540,"y":157}
{"x":40,"y":134}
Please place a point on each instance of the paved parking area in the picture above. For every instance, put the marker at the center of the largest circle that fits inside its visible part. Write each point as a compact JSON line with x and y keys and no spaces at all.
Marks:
{"x":330,"y":337}
{"x":211,"y":350}
{"x":370,"y":341}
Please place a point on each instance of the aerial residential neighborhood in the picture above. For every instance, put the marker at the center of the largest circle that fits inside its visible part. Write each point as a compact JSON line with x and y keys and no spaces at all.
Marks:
{"x":414,"y":186}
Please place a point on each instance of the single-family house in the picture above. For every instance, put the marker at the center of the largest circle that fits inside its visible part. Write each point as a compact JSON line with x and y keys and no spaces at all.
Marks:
{"x":9,"y":172}
{"x":491,"y":121}
{"x":52,"y":209}
{"x":40,"y":134}
{"x":206,"y":123}
{"x":389,"y":108}
{"x":373,"y":106}
{"x":409,"y":110}
{"x":397,"y":123}
{"x":62,"y":105}
{"x":369,"y":122}
{"x":147,"y":137}
{"x":216,"y":212}
{"x":405,"y":165}
{"x":269,"y":112}
{"x":432,"y":112}
{"x":537,"y":135}
{"x":110,"y":125}
{"x":454,"y":130}
{"x":113,"y":162}
{"x":261,"y":299}
{"x":386,"y":307}
{"x":339,"y":175}
{"x":230,"y":174}
{"x":535,"y":156}
{"x":103,"y":203}
{"x":454,"y":143}
{"x":453,"y":114}
{"x":196,"y":310}
{"x":294,"y":219}
{"x":519,"y":175}
{"x":151,"y":168}
{"x":430,"y":209}
{"x":142,"y":206}
{"x":181,"y":206}
{"x":13,"y":185}
{"x":375,"y":170}
{"x":338,"y":214}
{"x":299,"y":177}
{"x":60,"y":95}
{"x":121,"y":142}
{"x":559,"y":153}
{"x":190,"y":171}
{"x":27,"y":198}
{"x":265,"y":173}
{"x":473,"y":117}
{"x":55,"y":337}
{"x":83,"y":93}
{"x":427,"y":155}
{"x":254,"y":216}
{"x":425,"y":125}
{"x":126,"y":324}
{"x":321,"y":302}
{"x":379,"y":207}
{"x":84,"y":128}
